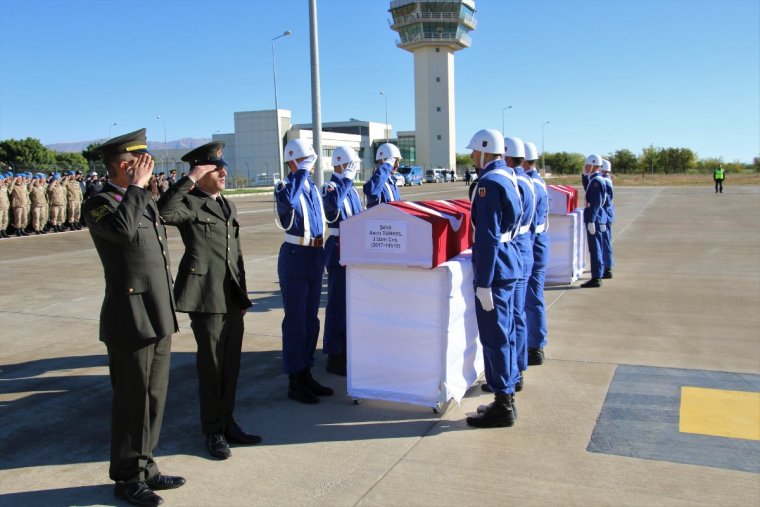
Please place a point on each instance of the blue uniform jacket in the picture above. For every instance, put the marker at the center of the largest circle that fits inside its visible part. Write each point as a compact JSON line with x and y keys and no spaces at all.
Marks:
{"x":341,"y":200}
{"x":609,"y":206}
{"x":381,"y":187}
{"x":496,"y":210}
{"x":296,"y":197}
{"x":528,"y":197}
{"x":596,"y":195}
{"x":540,"y":220}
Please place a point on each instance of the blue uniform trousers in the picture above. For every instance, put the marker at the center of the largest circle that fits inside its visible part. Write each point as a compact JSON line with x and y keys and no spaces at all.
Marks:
{"x":497,"y":335}
{"x":334,"y":341}
{"x":595,"y":250}
{"x":300,"y":269}
{"x":535,"y":311}
{"x":609,"y":261}
{"x":521,"y":328}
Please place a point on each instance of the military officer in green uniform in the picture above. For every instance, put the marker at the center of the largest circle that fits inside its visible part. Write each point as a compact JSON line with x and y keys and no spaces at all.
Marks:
{"x":137,"y":318}
{"x":211,"y":287}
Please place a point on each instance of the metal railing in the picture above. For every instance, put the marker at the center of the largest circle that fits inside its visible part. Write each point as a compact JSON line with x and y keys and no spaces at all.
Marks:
{"x":462,"y":38}
{"x":435,"y":16}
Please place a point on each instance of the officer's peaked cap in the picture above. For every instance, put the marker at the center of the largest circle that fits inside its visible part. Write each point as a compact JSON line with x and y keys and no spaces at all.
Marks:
{"x":208,"y":154}
{"x":134,"y":142}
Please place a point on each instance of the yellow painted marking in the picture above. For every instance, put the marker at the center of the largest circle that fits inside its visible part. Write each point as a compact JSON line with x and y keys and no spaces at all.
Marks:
{"x":719,"y":412}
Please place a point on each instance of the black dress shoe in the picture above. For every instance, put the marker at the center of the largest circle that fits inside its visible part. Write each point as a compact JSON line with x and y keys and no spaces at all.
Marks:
{"x":217,"y":446}
{"x":237,"y":436}
{"x":161,"y":481}
{"x":535,"y":357}
{"x":592,"y":284}
{"x":607,"y":274}
{"x":137,"y":493}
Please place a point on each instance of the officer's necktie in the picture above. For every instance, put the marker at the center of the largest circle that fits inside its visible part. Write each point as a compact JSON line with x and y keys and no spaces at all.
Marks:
{"x":225,"y":209}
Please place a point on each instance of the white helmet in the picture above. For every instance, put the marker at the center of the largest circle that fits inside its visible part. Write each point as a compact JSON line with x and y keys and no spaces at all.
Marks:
{"x":487,"y":141}
{"x":531,"y":153}
{"x":606,"y":165}
{"x":343,"y":155}
{"x":514,"y":147}
{"x":594,"y":159}
{"x":387,"y":150}
{"x":298,"y":148}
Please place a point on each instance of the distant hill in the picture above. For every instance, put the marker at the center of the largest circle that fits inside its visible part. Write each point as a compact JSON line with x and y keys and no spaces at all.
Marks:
{"x":186,"y":143}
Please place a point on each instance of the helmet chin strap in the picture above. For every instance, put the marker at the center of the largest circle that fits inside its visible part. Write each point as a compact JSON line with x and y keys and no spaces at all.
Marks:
{"x":482,"y":160}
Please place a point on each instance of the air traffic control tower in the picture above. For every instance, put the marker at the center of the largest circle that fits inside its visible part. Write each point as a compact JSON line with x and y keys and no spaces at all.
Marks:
{"x":433,"y":30}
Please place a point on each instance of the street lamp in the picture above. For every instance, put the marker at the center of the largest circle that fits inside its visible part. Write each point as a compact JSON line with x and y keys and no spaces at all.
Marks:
{"x":277,"y":106}
{"x":387,"y":134}
{"x":502,"y":119}
{"x":166,"y":151}
{"x":110,"y":127}
{"x":543,"y":159}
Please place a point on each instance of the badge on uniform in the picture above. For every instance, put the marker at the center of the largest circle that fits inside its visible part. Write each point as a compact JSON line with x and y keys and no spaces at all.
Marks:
{"x":481,"y":192}
{"x":100,"y":212}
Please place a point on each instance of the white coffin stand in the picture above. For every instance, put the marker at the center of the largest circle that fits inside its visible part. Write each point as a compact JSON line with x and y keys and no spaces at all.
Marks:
{"x":412,"y":336}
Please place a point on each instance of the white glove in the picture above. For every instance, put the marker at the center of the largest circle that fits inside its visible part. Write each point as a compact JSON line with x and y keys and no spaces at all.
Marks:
{"x":485,"y":297}
{"x":591,"y":228}
{"x":307,"y":163}
{"x":602,"y":228}
{"x":350,"y":171}
{"x":390,"y":161}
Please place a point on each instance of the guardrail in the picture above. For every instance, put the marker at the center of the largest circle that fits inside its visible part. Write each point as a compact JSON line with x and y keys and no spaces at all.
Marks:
{"x":435,"y":16}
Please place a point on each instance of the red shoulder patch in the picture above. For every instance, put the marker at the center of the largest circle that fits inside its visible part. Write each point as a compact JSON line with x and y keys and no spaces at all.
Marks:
{"x":481,"y":192}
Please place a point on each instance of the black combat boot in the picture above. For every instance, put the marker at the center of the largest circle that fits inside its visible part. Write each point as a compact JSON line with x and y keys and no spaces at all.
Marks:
{"x":298,"y":388}
{"x":316,"y":387}
{"x":520,"y":383}
{"x":499,"y":414}
{"x":607,"y":274}
{"x":535,"y":357}
{"x":592,"y":284}
{"x":336,"y":364}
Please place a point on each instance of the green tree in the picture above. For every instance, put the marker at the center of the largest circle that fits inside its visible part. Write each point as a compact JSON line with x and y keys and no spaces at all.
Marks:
{"x":463,"y":160}
{"x":565,"y":163}
{"x":623,"y":161}
{"x":26,"y":154}
{"x":91,"y":154}
{"x":71,"y":161}
{"x":648,"y":160}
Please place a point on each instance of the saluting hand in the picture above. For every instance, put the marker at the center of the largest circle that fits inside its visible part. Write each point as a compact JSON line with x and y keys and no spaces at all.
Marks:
{"x":140,"y":170}
{"x":199,"y":171}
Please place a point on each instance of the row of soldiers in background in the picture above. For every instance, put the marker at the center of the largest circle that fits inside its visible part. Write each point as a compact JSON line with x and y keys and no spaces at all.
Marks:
{"x":598,"y":216}
{"x":509,"y":255}
{"x":35,"y":204}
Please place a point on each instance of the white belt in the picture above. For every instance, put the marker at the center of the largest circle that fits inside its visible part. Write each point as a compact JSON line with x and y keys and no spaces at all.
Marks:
{"x":523,"y":230}
{"x":334,"y":231}
{"x":299,"y":240}
{"x":507,"y":237}
{"x":540,"y":228}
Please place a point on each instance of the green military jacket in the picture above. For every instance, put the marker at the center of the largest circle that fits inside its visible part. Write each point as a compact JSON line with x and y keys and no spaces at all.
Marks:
{"x":131,"y":242}
{"x":213,"y":258}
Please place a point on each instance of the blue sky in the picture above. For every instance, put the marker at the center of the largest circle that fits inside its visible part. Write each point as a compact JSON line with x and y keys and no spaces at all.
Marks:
{"x":607,"y":74}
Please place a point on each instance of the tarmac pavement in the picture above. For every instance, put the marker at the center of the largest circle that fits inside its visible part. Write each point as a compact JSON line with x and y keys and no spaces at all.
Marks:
{"x":599,"y":422}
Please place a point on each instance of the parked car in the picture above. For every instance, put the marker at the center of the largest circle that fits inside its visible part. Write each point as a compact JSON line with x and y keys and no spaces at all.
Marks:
{"x":412,"y":174}
{"x":399,"y":179}
{"x":434,"y":176}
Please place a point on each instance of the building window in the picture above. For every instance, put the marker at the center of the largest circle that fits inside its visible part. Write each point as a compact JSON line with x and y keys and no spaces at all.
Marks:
{"x":438,"y":109}
{"x":438,"y":136}
{"x":437,"y":79}
{"x":437,"y":50}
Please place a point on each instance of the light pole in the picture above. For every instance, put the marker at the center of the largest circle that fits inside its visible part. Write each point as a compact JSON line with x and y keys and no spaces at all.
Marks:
{"x":277,"y":106}
{"x":543,"y":159}
{"x":387,"y":134}
{"x":110,"y":127}
{"x":166,"y":151}
{"x":502,"y":118}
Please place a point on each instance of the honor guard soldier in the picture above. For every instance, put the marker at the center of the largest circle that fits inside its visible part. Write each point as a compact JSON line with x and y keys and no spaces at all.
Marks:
{"x":497,"y":265}
{"x":211,"y":288}
{"x":300,"y":267}
{"x":535,"y":311}
{"x":341,"y":201}
{"x":595,"y":218}
{"x":137,"y":318}
{"x":57,"y":199}
{"x":19,"y":197}
{"x":381,"y":186}
{"x":39,"y":203}
{"x":5,"y":205}
{"x":609,"y":208}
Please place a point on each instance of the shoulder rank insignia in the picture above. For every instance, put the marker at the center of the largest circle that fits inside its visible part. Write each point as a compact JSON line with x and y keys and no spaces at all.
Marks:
{"x":100,"y":212}
{"x":481,"y":192}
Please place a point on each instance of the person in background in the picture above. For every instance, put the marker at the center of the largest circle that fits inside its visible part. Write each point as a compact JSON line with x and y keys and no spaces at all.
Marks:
{"x":5,"y":204}
{"x":57,"y":200}
{"x":595,"y":218}
{"x":609,"y":207}
{"x":19,"y":199}
{"x":719,"y":175}
{"x":381,"y":186}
